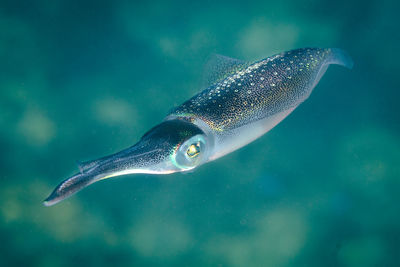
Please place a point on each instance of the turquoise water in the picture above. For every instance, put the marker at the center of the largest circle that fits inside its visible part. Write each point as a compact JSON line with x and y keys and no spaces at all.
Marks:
{"x":82,"y":79}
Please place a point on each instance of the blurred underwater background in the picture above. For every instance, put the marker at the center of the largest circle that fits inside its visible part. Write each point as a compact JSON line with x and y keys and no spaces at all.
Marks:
{"x":83,"y":79}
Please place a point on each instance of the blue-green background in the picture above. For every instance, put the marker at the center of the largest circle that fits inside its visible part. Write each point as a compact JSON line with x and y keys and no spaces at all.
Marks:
{"x":82,"y":79}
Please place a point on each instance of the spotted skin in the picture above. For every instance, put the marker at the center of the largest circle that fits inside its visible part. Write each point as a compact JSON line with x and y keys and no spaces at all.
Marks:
{"x":226,"y":116}
{"x":265,"y":88}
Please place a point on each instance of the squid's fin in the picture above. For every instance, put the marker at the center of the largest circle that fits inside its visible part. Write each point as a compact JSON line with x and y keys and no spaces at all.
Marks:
{"x":219,"y":67}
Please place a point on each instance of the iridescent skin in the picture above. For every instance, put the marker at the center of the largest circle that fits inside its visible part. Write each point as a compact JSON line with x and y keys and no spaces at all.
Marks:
{"x":226,"y":116}
{"x":247,"y":104}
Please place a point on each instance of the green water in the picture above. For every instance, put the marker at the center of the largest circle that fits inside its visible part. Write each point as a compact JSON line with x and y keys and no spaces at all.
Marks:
{"x":81,"y":79}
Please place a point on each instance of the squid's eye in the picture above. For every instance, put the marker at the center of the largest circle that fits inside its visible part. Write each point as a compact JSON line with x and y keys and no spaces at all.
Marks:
{"x":193,"y":150}
{"x":190,"y":153}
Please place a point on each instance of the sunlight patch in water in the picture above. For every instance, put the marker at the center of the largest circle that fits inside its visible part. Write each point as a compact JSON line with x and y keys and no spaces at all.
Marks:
{"x":36,"y":128}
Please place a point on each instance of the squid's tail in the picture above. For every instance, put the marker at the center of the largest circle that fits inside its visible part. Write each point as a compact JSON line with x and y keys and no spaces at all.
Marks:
{"x":340,"y":57}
